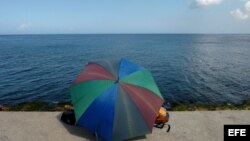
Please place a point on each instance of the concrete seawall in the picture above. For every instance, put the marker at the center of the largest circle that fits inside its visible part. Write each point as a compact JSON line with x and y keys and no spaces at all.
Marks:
{"x":186,"y":126}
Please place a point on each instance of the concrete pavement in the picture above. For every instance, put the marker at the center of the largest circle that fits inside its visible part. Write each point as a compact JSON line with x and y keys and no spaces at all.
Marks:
{"x":186,"y":126}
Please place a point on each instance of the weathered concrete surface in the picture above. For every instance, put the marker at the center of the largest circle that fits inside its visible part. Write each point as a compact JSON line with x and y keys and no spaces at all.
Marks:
{"x":186,"y":126}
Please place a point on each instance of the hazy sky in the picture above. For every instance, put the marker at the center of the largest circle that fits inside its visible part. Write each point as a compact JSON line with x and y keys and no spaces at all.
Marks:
{"x":124,"y":16}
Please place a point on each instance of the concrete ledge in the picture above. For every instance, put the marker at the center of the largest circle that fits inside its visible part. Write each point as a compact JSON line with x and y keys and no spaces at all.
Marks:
{"x":186,"y":126}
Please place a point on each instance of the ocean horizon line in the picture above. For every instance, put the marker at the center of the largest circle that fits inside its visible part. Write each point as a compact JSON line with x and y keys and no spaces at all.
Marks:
{"x":124,"y":34}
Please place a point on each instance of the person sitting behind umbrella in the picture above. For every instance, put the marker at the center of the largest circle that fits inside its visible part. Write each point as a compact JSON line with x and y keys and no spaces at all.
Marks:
{"x":68,"y":116}
{"x":162,"y":118}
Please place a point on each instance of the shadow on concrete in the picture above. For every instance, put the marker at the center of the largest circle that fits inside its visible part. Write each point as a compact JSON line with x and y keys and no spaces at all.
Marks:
{"x":81,"y":132}
{"x":137,"y":138}
{"x":77,"y":131}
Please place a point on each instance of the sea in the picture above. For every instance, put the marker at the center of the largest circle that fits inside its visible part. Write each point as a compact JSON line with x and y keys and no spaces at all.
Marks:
{"x":188,"y":68}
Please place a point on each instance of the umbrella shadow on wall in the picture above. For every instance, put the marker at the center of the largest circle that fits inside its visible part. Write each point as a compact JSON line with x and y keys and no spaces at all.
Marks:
{"x":77,"y":131}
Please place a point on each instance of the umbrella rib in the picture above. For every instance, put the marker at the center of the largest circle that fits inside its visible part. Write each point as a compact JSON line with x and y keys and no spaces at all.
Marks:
{"x":144,"y":100}
{"x":142,"y":88}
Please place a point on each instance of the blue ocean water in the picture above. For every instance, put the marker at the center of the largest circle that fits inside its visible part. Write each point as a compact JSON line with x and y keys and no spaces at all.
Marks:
{"x":187,"y":68}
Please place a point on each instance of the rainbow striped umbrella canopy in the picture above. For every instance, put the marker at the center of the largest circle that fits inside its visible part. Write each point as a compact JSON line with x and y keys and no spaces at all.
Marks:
{"x":116,"y":99}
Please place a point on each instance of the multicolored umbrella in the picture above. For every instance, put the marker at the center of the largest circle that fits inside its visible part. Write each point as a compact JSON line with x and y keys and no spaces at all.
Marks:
{"x":116,"y":99}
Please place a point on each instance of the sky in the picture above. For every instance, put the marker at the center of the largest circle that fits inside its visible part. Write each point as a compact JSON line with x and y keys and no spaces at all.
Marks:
{"x":124,"y":16}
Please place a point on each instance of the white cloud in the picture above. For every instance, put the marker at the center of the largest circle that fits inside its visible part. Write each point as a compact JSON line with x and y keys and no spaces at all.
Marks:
{"x":207,"y":2}
{"x":24,"y":26}
{"x":247,"y":5}
{"x":239,"y":14}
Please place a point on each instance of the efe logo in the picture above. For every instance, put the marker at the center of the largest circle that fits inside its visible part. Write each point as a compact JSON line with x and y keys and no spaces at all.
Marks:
{"x":237,"y":132}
